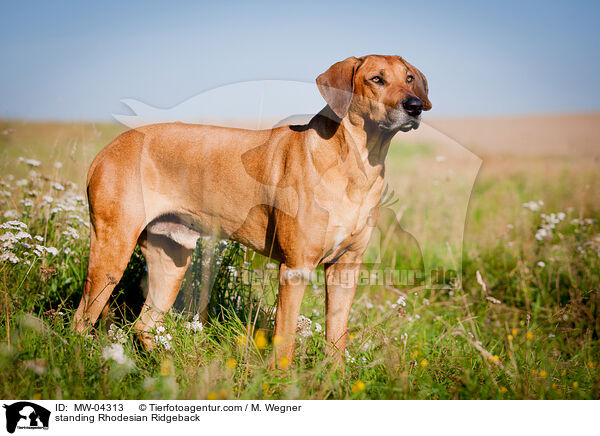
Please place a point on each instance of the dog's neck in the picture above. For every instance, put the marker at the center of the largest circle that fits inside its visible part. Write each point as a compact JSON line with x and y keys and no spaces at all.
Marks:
{"x":356,"y":138}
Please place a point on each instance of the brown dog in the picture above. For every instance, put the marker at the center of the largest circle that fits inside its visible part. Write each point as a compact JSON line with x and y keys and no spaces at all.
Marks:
{"x":303,"y":195}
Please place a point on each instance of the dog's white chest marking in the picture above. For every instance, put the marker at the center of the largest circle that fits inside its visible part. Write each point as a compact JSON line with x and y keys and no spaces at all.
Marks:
{"x":338,"y":239}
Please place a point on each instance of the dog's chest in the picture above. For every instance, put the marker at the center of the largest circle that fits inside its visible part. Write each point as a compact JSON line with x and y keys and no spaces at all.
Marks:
{"x":351,"y":218}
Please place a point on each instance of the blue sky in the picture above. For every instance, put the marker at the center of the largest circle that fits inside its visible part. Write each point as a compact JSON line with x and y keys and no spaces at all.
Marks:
{"x":74,"y":61}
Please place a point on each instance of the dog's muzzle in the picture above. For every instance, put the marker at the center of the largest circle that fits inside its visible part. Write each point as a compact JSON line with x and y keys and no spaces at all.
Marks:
{"x":405,"y":117}
{"x":413,"y":106}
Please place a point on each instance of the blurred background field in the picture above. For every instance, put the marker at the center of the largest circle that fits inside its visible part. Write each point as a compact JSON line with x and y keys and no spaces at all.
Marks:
{"x":523,"y":323}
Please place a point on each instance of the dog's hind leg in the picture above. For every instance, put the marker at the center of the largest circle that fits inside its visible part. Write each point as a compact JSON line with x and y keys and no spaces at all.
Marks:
{"x":167,"y":262}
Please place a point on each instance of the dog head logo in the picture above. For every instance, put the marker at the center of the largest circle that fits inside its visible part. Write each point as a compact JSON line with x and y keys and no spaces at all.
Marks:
{"x":26,"y":415}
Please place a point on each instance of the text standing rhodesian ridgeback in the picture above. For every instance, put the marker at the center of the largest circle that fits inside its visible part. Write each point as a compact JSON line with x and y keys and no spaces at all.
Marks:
{"x":303,"y":195}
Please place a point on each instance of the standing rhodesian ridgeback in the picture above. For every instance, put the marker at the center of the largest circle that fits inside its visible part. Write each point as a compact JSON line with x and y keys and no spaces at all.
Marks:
{"x":303,"y":195}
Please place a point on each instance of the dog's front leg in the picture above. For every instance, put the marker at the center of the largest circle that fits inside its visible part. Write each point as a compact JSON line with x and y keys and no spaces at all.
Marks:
{"x":342,"y":279}
{"x":292,"y":283}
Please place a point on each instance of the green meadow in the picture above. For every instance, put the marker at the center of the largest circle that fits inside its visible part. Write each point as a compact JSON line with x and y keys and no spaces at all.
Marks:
{"x":523,"y":321}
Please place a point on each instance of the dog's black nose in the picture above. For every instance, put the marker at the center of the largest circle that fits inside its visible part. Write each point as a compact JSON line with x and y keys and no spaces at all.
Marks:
{"x":414,"y":106}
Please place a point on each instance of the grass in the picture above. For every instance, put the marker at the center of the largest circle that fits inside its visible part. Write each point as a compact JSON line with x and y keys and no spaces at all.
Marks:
{"x":523,"y":323}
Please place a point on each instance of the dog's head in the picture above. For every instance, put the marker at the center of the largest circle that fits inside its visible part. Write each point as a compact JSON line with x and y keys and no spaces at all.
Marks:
{"x":385,"y":90}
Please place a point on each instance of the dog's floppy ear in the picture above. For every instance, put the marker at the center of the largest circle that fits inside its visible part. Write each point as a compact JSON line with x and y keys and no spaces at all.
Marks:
{"x":337,"y":85}
{"x":425,"y":98}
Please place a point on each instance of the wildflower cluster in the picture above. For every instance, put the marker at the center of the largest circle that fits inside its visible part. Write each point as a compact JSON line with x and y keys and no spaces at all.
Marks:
{"x":533,"y":205}
{"x":162,"y":337}
{"x":305,"y":327}
{"x":549,"y":223}
{"x":14,"y":245}
{"x":55,"y":209}
{"x":116,"y":352}
{"x":116,"y":334}
{"x":195,"y":325}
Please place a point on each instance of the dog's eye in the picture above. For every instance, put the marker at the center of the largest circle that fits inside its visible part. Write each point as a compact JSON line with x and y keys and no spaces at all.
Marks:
{"x":377,"y":79}
{"x":409,"y":78}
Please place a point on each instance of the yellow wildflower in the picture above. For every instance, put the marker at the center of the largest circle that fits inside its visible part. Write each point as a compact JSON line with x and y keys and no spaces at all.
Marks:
{"x":230,"y":363}
{"x":165,"y":367}
{"x":284,"y":362}
{"x":358,"y":386}
{"x":260,"y":340}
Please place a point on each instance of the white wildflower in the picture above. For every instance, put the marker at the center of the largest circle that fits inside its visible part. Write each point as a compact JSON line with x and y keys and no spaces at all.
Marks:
{"x":316,"y":289}
{"x":162,"y":337}
{"x":11,"y":214}
{"x":533,"y":206}
{"x":541,"y":234}
{"x":30,"y":162}
{"x":71,"y":233}
{"x":52,"y":250}
{"x":57,"y":186}
{"x":541,"y":264}
{"x":367,"y":345}
{"x":9,"y":256}
{"x":13,"y":225}
{"x":116,"y":352}
{"x":195,"y":325}
{"x":116,"y":334}
{"x":304,"y":326}
{"x":22,"y":235}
